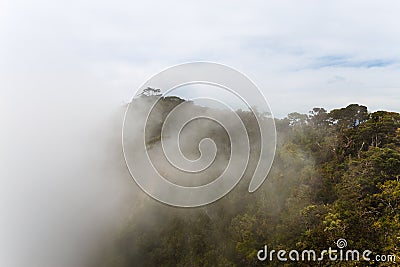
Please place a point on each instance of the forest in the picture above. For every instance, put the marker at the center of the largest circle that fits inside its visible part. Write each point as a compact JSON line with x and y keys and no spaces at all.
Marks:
{"x":336,"y":174}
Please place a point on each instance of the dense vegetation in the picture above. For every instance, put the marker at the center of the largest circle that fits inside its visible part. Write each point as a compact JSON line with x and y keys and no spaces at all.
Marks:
{"x":336,"y":175}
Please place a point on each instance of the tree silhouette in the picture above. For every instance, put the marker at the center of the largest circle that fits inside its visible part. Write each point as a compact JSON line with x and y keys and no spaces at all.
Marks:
{"x":149,"y":91}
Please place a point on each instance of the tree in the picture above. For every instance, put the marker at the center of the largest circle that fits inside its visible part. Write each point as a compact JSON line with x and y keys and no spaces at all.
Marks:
{"x":151,"y":92}
{"x":297,"y":119}
{"x":350,"y":116}
{"x":318,"y":117}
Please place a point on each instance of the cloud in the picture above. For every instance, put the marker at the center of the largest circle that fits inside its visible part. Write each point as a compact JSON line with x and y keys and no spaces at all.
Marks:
{"x":348,"y":62}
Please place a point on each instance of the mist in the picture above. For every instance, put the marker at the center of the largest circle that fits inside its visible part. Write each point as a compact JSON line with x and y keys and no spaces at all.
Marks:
{"x":68,"y":198}
{"x":67,"y":195}
{"x":149,"y":220}
{"x":63,"y":177}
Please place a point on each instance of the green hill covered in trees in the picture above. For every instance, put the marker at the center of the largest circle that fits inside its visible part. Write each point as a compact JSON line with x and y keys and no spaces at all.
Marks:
{"x":336,"y":175}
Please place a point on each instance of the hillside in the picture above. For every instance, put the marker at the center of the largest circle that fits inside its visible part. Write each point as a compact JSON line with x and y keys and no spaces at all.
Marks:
{"x":335,"y":175}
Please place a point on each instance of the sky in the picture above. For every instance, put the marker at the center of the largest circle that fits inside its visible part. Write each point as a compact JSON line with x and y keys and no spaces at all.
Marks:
{"x":301,"y":55}
{"x":67,"y":68}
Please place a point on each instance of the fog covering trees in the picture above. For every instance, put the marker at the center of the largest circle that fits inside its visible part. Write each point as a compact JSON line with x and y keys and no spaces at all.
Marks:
{"x":336,"y":175}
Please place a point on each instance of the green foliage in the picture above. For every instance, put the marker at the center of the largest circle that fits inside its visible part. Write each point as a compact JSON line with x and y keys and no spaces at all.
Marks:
{"x":350,"y":116}
{"x":336,"y":175}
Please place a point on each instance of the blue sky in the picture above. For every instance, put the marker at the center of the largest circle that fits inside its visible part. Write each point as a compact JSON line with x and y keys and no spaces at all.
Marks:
{"x":348,"y":62}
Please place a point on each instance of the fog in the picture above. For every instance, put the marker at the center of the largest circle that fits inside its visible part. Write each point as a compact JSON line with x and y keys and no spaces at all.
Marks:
{"x":63,"y":177}
{"x":66,"y":191}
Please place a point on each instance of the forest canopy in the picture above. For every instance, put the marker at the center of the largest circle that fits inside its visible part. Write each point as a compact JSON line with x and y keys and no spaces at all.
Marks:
{"x":336,"y":175}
